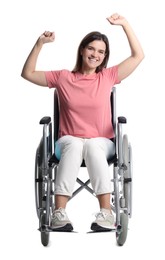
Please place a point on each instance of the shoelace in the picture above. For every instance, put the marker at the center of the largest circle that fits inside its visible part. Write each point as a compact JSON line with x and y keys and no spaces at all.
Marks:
{"x":100,"y":215}
{"x":58,"y":211}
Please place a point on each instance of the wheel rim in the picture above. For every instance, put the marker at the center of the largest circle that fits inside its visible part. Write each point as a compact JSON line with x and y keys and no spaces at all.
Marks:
{"x":127,"y":159}
{"x":36,"y":183}
{"x":125,"y":150}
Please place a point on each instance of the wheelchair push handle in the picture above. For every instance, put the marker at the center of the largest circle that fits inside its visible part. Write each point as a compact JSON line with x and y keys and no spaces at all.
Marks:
{"x":45,"y":120}
{"x":122,"y":120}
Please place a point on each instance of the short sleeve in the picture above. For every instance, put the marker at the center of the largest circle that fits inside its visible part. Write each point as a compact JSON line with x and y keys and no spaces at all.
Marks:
{"x":52,"y":78}
{"x":112,"y":73}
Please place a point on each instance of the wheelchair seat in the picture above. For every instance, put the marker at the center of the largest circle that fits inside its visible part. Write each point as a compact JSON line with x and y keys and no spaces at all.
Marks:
{"x":54,"y":160}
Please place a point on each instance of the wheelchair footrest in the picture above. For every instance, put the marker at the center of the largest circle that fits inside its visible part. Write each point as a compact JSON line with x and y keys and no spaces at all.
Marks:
{"x":96,"y":228}
{"x":66,"y":228}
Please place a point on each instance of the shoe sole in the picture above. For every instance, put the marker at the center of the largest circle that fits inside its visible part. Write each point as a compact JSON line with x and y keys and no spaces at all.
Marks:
{"x":95,"y":227}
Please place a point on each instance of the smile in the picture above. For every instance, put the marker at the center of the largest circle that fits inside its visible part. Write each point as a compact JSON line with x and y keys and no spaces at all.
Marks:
{"x":93,"y":60}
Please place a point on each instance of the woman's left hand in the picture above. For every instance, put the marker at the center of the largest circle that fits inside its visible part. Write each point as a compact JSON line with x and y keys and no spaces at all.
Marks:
{"x":116,"y":19}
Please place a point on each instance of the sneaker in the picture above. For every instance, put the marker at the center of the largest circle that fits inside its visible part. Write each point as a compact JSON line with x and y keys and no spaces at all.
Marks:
{"x":104,"y":221}
{"x":60,"y":221}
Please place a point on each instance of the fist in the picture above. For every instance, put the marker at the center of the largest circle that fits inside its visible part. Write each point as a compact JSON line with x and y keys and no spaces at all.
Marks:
{"x":116,"y":19}
{"x":47,"y":37}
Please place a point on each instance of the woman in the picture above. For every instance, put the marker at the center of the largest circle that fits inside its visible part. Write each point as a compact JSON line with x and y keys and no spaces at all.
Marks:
{"x":85,"y":125}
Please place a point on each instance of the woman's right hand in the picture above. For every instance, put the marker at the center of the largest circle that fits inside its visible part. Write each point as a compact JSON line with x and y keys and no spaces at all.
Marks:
{"x":47,"y":37}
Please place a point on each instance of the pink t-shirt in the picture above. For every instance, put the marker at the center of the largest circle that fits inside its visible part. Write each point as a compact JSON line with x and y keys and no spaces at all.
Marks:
{"x":85,"y":109}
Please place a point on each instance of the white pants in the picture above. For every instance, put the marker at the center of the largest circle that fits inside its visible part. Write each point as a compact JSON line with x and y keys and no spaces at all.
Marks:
{"x":95,"y":152}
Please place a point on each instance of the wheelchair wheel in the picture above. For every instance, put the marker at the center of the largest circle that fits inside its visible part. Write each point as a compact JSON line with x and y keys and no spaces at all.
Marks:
{"x":125,"y":150}
{"x":39,"y":189}
{"x":121,"y":234}
{"x":44,"y":234}
{"x":127,"y":159}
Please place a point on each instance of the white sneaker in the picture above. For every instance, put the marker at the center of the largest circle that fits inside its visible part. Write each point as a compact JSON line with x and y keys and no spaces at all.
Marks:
{"x":60,"y":221}
{"x":104,"y":221}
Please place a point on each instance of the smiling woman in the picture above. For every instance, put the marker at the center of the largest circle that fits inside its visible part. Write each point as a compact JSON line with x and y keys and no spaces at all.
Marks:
{"x":95,"y":48}
{"x":85,"y":128}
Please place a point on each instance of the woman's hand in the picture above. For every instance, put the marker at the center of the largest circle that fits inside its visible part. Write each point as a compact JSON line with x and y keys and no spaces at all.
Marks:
{"x":116,"y":19}
{"x":47,"y":37}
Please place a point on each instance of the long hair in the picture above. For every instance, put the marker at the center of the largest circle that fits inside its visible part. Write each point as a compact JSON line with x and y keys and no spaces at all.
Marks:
{"x":90,"y":37}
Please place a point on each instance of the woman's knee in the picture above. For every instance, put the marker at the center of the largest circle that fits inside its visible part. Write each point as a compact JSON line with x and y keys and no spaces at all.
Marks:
{"x":97,"y":147}
{"x":92,"y":148}
{"x":68,"y":144}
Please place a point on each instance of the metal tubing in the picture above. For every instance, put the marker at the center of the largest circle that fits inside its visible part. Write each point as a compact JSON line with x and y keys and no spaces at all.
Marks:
{"x":116,"y":189}
{"x":45,"y":162}
{"x":48,"y":200}
{"x":120,"y":149}
{"x":85,"y":185}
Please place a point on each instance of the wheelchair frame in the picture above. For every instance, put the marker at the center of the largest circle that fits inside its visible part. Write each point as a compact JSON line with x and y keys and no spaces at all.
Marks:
{"x":46,"y":167}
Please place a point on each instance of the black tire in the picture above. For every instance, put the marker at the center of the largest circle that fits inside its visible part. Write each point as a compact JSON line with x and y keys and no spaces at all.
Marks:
{"x":121,"y":234}
{"x":44,"y":234}
{"x":39,"y":189}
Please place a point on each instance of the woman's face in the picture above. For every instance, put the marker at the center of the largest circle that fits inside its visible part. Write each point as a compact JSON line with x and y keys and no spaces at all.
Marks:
{"x":92,"y":56}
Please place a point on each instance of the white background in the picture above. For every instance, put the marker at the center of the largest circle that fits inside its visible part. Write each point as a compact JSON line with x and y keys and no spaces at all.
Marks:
{"x":140,"y":98}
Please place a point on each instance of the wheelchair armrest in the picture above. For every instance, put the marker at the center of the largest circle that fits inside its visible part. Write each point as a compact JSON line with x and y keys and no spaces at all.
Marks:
{"x":122,"y":120}
{"x":45,"y":120}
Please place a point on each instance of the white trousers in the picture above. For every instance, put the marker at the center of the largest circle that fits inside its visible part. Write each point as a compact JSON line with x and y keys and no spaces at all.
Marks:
{"x":95,"y":152}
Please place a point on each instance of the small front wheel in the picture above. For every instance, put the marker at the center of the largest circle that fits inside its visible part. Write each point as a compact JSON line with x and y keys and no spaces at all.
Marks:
{"x":121,"y":235}
{"x":44,"y":234}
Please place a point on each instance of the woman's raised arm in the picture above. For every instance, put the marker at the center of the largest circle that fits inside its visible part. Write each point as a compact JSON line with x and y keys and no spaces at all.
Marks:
{"x":29,"y":69}
{"x":126,"y":67}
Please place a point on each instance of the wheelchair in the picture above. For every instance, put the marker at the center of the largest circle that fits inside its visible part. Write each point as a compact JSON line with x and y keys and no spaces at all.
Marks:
{"x":46,"y":165}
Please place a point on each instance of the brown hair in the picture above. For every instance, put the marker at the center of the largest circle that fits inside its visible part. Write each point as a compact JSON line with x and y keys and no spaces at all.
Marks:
{"x":90,"y":37}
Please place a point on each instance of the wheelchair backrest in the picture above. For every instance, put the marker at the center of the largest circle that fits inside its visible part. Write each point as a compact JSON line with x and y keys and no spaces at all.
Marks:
{"x":57,"y":112}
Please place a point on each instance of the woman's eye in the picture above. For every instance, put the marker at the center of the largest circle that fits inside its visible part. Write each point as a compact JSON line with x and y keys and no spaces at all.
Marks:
{"x":90,"y":48}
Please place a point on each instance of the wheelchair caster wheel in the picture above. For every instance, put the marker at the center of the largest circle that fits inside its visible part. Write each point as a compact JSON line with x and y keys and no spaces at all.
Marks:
{"x":44,"y":234}
{"x":121,"y":233}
